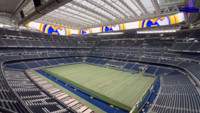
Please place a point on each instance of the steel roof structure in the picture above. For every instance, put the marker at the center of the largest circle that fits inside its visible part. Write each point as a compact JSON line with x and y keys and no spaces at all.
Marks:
{"x":81,"y":14}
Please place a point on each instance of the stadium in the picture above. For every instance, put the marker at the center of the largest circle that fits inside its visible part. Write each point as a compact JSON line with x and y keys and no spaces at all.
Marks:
{"x":99,"y":56}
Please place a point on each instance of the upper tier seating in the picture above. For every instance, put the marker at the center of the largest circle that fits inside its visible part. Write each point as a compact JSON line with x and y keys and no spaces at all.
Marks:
{"x":188,"y":41}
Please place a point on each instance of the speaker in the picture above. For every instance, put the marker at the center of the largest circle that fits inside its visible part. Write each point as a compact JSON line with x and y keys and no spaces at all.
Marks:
{"x":37,"y":3}
{"x":22,"y":14}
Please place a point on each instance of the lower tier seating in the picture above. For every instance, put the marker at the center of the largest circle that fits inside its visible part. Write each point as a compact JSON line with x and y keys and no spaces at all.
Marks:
{"x":37,"y":100}
{"x":177,"y":95}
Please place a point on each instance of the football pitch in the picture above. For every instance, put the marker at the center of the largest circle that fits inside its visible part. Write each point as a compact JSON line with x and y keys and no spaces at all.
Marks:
{"x":118,"y":87}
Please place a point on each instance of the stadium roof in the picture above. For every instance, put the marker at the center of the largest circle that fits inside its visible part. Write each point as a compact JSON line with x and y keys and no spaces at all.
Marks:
{"x":81,"y":14}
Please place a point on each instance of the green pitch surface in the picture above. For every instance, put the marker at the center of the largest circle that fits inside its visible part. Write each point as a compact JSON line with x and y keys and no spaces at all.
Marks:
{"x":118,"y":87}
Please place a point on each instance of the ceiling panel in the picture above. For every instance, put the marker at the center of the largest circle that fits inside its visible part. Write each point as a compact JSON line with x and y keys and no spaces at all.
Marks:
{"x":148,"y":5}
{"x":9,"y":6}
